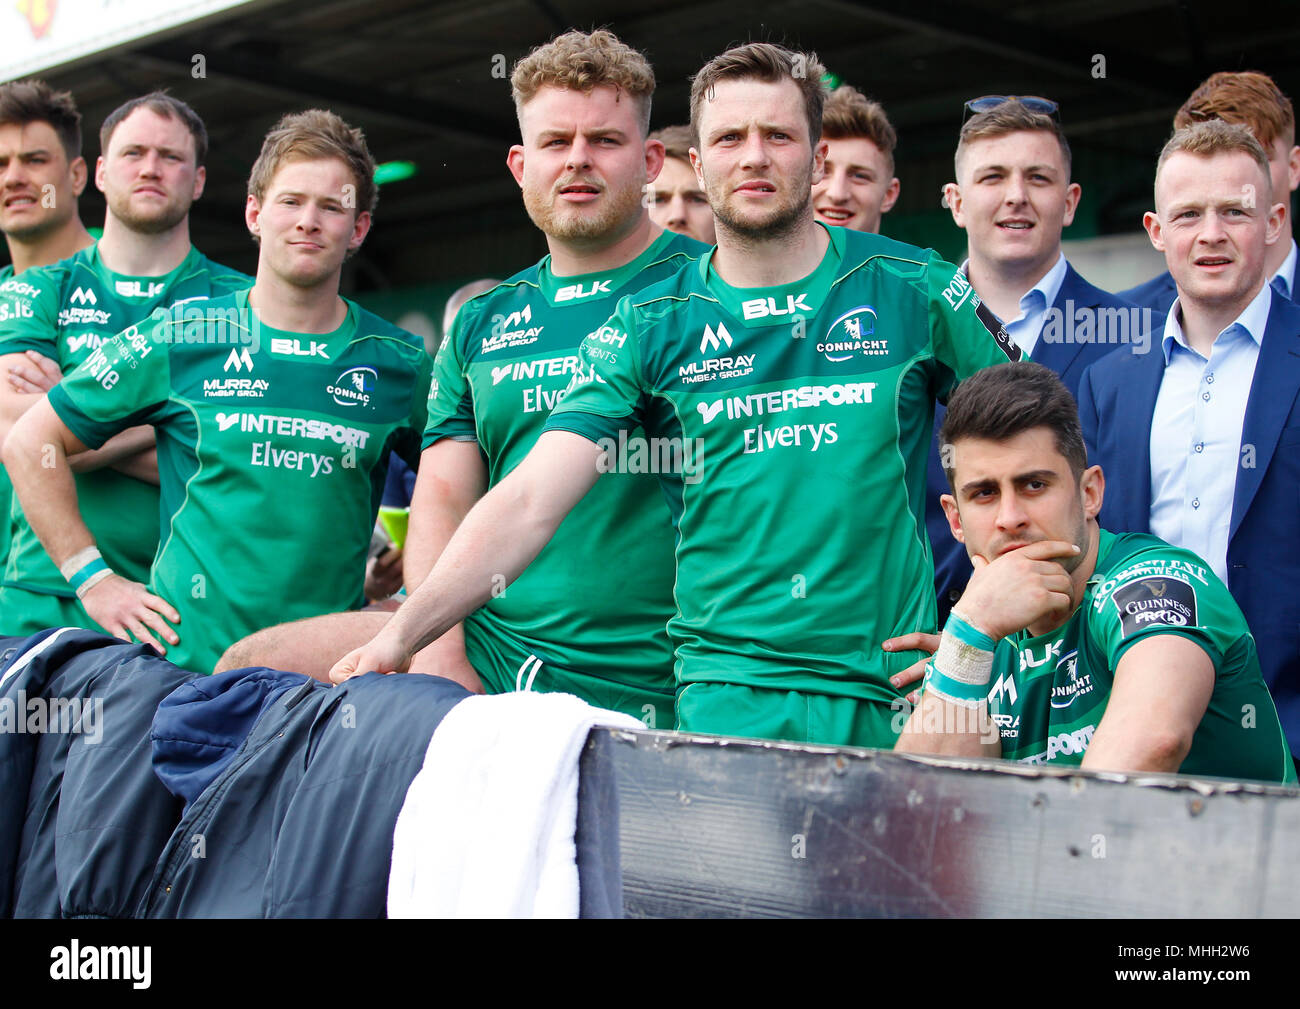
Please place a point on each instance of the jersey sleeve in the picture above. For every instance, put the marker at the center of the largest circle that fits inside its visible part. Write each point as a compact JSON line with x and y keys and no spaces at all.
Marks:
{"x":450,"y":405}
{"x":29,"y":312}
{"x":408,"y":442}
{"x":965,"y":334}
{"x":124,"y":382}
{"x":607,"y":393}
{"x":1164,"y":592}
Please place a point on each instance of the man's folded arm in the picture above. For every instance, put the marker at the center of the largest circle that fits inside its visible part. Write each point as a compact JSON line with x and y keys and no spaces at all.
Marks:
{"x":1161,"y":691}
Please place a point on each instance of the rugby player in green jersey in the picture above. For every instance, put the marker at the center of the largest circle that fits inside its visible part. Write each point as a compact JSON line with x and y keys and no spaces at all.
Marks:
{"x":151,"y":171}
{"x":798,"y":365}
{"x":596,"y":630}
{"x":276,"y":409}
{"x":1071,"y":645}
{"x":42,"y":173}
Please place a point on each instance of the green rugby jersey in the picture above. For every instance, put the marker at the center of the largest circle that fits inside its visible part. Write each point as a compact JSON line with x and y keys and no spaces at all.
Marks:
{"x":66,"y":311}
{"x":1049,"y":692}
{"x":6,"y":485}
{"x":807,"y":410}
{"x":272,"y":451}
{"x":506,"y":363}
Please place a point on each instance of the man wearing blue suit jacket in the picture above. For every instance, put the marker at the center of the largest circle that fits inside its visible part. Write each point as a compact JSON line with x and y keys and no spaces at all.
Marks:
{"x":1200,"y":438}
{"x":1252,"y":99}
{"x":1013,"y":198}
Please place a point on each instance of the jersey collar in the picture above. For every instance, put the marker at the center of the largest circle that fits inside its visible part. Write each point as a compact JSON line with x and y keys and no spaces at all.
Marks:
{"x":765,"y":306}
{"x":586,"y":288}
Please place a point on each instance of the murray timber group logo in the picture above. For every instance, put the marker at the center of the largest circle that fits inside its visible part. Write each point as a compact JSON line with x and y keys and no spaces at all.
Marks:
{"x":725,"y":366}
{"x":354,"y":387}
{"x":851,"y":335}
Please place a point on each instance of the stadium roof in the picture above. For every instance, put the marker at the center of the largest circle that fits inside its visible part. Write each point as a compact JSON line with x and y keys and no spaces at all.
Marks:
{"x":419,"y":78}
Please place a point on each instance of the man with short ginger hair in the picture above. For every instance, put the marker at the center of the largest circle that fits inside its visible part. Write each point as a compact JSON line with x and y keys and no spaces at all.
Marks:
{"x":1251,"y":99}
{"x":860,"y":186}
{"x":797,"y":363}
{"x":276,"y":409}
{"x":1197,"y":437}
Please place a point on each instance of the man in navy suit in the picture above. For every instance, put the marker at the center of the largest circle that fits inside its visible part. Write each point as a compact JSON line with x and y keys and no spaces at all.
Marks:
{"x":1014,"y":197}
{"x":1200,"y":438}
{"x":1252,"y":99}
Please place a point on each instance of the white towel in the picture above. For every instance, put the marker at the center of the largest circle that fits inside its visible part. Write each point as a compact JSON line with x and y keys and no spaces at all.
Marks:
{"x":487,"y":828}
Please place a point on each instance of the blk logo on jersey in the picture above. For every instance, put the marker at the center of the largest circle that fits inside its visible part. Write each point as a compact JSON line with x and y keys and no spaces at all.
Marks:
{"x":762,"y":308}
{"x":299,"y":348}
{"x":574,"y":292}
{"x":851,"y":335}
{"x":354,"y":387}
{"x":134,"y":289}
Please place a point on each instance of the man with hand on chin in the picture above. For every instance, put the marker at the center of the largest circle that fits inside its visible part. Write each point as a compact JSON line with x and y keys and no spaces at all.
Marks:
{"x":1073,"y":646}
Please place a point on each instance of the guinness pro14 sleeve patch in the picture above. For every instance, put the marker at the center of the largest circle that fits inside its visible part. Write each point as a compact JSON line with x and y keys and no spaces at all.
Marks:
{"x":1155,"y":600}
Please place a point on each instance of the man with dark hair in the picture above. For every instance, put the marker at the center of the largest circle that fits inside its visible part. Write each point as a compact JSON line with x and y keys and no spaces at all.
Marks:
{"x":1013,"y":197}
{"x":276,"y":410}
{"x":1199,"y":437}
{"x":859,"y":186}
{"x":675,"y":199}
{"x":796,"y":365}
{"x":150,"y":171}
{"x":1251,"y":99}
{"x":1073,"y":646}
{"x":42,"y":174}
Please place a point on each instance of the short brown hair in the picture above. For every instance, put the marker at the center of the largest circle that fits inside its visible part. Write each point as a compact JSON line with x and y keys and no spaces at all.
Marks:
{"x":770,"y":63}
{"x":677,"y":141}
{"x":1216,"y":136}
{"x":162,"y":104}
{"x":584,"y":61}
{"x":849,"y":113}
{"x":33,"y":101}
{"x":312,"y":136}
{"x":1010,"y":117}
{"x":1246,"y":97}
{"x":1005,"y":400}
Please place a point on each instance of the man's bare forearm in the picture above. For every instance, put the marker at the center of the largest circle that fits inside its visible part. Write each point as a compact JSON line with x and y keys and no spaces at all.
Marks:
{"x":499,"y":537}
{"x":938,"y":726}
{"x":35,"y":455}
{"x":497,"y":540}
{"x":130,"y":452}
{"x":452,"y":478}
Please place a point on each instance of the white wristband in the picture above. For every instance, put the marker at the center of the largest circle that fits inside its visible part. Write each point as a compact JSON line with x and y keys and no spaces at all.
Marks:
{"x":92,"y":581}
{"x":78,"y":561}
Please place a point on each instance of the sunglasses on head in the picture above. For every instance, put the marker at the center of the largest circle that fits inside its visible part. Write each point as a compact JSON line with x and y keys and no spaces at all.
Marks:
{"x":1033,"y":103}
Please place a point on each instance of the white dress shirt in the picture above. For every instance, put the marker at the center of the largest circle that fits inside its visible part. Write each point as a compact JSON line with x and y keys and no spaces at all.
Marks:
{"x":1196,"y":448}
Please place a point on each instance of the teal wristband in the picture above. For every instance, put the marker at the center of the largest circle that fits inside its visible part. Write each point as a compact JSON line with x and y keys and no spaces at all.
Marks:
{"x":91,"y":568}
{"x":953,"y":690}
{"x":967,"y":634}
